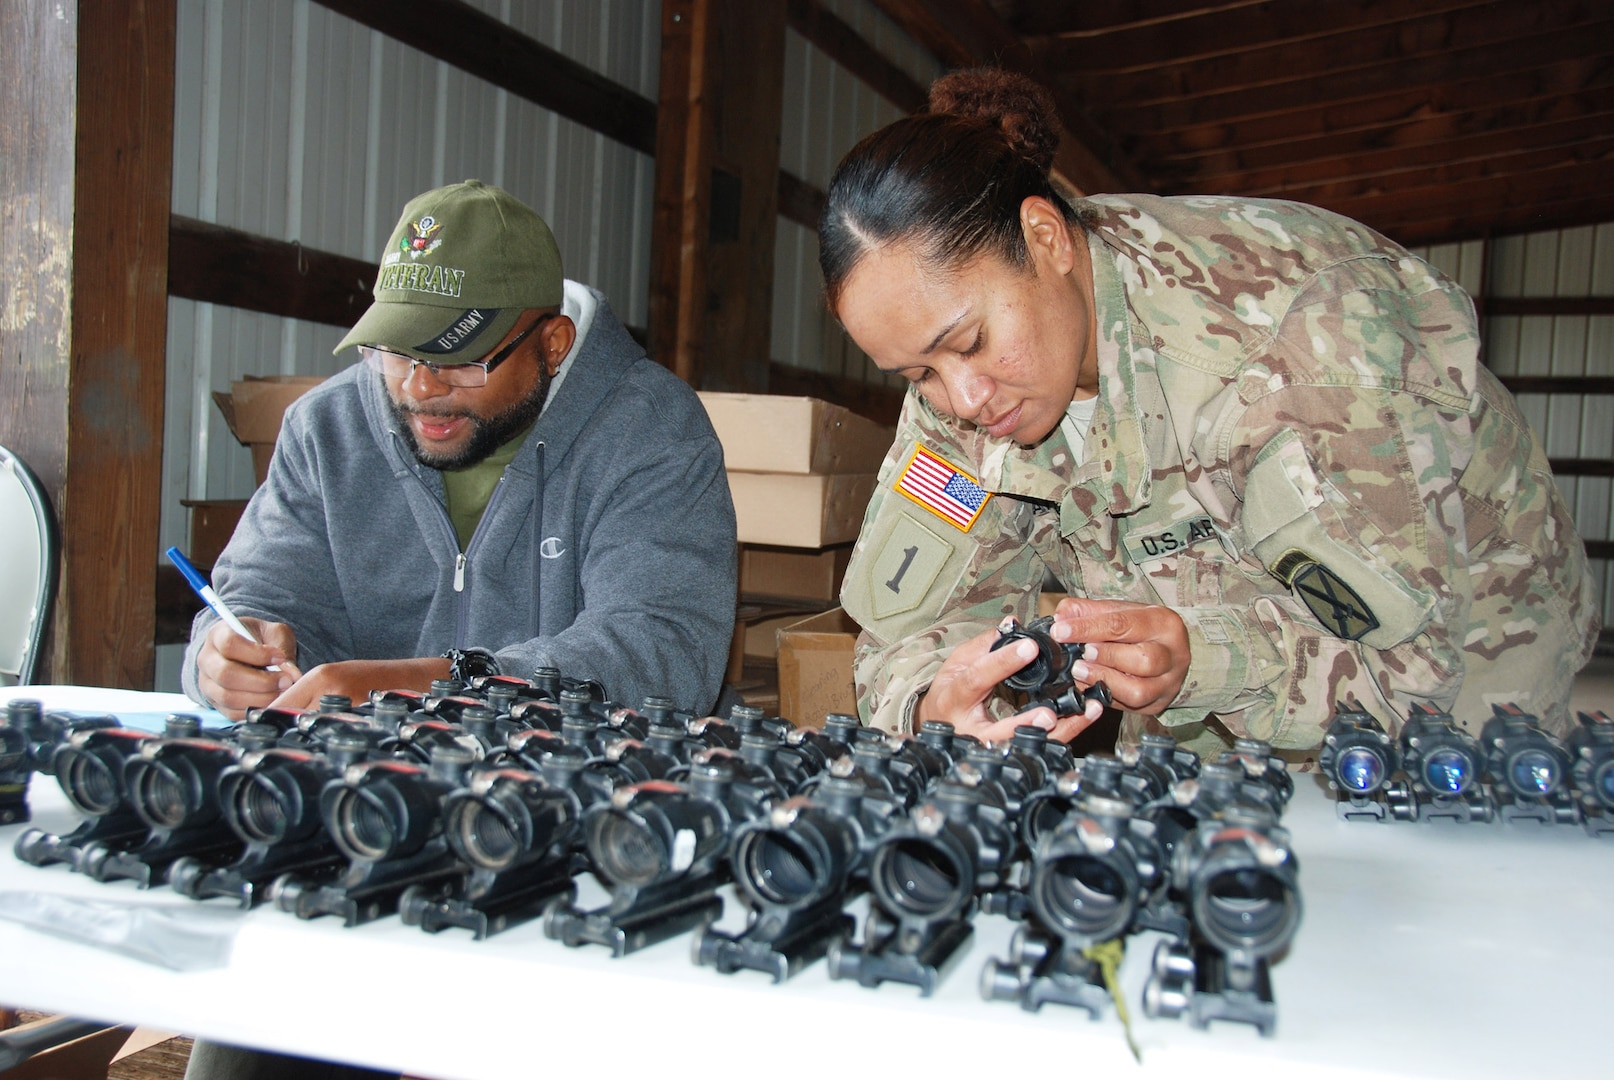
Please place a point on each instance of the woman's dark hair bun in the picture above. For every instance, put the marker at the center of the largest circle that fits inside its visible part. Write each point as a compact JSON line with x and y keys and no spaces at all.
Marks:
{"x":1019,"y":106}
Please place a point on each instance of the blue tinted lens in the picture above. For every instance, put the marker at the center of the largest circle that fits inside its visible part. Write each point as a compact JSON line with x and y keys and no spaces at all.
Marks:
{"x":1605,"y":783}
{"x":1446,"y":771}
{"x":1360,"y":769}
{"x":1534,"y":773}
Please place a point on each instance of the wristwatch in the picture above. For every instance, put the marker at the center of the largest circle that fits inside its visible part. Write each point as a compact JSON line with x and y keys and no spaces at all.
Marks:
{"x":467,"y":664}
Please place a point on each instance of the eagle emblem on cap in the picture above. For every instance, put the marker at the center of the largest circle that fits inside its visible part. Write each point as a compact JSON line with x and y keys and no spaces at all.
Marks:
{"x":422,"y":238}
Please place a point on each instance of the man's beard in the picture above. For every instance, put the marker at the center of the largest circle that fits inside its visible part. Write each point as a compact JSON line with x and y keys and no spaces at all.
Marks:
{"x":487,"y":433}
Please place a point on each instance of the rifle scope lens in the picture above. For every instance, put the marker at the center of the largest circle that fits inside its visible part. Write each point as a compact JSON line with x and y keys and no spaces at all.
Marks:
{"x":1360,"y":769}
{"x":917,"y":878}
{"x":88,"y":782}
{"x":1085,"y":896}
{"x":1534,"y":772}
{"x":1247,"y":908}
{"x":364,"y":826}
{"x":628,"y":852}
{"x":778,"y":866}
{"x":1447,"y":772}
{"x":486,"y":838}
{"x":159,"y":796}
{"x":260,"y":810}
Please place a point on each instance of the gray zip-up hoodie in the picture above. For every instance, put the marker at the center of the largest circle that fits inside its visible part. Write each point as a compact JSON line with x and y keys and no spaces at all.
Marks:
{"x":607,"y":549}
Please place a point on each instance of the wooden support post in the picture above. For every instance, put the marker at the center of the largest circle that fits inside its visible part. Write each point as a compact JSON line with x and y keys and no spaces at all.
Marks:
{"x":717,"y":190}
{"x":86,"y":131}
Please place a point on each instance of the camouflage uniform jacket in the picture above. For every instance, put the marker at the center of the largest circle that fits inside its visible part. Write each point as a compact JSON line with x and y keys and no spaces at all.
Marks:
{"x":1294,"y":447}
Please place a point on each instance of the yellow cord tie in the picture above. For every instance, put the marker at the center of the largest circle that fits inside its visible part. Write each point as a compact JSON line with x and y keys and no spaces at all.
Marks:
{"x":1108,"y":956}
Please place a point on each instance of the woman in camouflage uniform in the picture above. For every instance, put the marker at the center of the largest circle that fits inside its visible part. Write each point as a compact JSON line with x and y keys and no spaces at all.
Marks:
{"x":1252,"y":439}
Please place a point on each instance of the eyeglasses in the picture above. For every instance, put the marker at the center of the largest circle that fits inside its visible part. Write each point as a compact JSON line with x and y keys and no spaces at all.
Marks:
{"x":473,"y":373}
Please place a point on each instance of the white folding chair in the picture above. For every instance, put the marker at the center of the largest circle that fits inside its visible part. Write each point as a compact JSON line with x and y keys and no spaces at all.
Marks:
{"x":29,"y":548}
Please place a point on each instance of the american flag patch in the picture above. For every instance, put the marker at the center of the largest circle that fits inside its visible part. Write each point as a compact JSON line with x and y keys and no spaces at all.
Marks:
{"x":943,"y":490}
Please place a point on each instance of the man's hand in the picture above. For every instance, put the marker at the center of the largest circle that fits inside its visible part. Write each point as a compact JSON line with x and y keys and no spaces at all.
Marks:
{"x":232,"y":672}
{"x":1140,"y":650}
{"x":968,"y":677}
{"x":356,"y":678}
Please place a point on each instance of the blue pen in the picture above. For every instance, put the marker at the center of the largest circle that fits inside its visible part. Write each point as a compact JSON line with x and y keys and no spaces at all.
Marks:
{"x":211,"y":598}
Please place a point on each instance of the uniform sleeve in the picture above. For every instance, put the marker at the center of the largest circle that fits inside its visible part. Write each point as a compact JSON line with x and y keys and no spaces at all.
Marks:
{"x":278,"y":565}
{"x":1349,"y":499}
{"x":919,"y":585}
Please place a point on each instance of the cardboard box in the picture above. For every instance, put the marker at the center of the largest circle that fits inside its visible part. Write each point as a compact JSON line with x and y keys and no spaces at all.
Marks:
{"x":253,"y":409}
{"x":1047,"y":602}
{"x":815,"y":668}
{"x":799,"y":511}
{"x":213,"y":522}
{"x":762,"y":635}
{"x":799,"y":435}
{"x":798,"y":574}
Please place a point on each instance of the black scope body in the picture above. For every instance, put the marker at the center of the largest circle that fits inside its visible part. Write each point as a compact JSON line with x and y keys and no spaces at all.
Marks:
{"x":1241,"y":882}
{"x":1521,"y":758}
{"x":271,"y":795}
{"x":656,"y":832}
{"x":811,"y":848}
{"x":1591,"y":745}
{"x":1046,"y":679}
{"x":1262,"y":766}
{"x":172,"y":782}
{"x":928,"y":867}
{"x":1092,"y":873}
{"x":389,"y":808}
{"x":508,"y":817}
{"x":1438,"y":756}
{"x":1358,"y":756}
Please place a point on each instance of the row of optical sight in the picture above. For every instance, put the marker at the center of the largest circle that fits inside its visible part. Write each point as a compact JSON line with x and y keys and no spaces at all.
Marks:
{"x":1435,"y":770}
{"x":479,"y":806}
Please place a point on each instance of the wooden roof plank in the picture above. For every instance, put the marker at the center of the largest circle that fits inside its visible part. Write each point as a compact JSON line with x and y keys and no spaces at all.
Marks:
{"x":1259,"y":65}
{"x":1233,"y":30}
{"x":1529,"y":55}
{"x":1394,"y":119}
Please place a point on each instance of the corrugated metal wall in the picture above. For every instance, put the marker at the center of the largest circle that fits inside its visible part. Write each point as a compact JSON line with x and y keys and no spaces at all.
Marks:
{"x":298,"y":124}
{"x":826,"y":111}
{"x":1558,"y":263}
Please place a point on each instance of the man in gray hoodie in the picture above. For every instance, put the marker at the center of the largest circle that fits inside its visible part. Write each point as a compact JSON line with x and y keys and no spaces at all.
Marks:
{"x":505,"y":482}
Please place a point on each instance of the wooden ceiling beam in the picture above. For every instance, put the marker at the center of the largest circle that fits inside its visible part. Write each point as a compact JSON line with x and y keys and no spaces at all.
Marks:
{"x":1525,"y":167}
{"x":1458,"y":223}
{"x":1436,"y":133}
{"x":1227,"y":31}
{"x":1388,"y":46}
{"x":1338,"y":165}
{"x":1041,"y":17}
{"x":1574,"y":183}
{"x":1466,"y":109}
{"x":966,"y":33}
{"x":1534,"y":56}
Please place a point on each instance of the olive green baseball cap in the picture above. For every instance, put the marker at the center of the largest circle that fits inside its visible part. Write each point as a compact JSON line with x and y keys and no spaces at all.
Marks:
{"x":462,"y":265}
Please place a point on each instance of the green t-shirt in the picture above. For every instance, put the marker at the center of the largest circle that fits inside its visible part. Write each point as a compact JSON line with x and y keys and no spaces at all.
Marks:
{"x":468,"y":490}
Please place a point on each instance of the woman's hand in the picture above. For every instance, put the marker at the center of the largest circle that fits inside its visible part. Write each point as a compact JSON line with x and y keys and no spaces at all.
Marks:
{"x":1140,"y":650}
{"x":967,"y":679}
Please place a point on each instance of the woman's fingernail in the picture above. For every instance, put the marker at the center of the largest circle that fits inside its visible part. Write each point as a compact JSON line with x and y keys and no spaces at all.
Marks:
{"x":1080,"y":671}
{"x":1025,"y":649}
{"x":284,"y":683}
